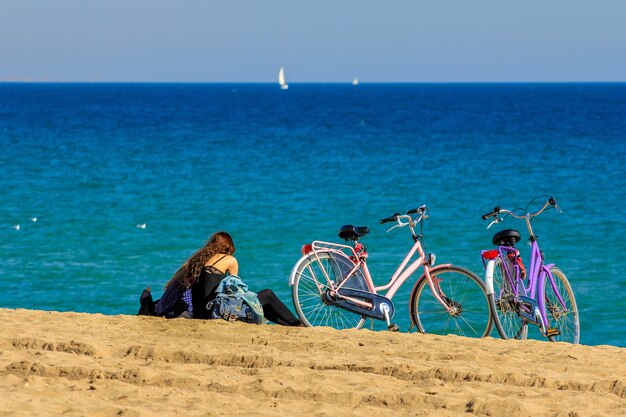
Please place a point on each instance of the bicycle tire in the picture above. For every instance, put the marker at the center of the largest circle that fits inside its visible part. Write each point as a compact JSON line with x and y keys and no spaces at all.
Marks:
{"x":505,"y":305}
{"x":465,"y":291}
{"x":565,"y":320}
{"x":308,"y":299}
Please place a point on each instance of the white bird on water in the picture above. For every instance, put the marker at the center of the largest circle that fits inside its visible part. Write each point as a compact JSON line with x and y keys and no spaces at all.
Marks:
{"x":142,"y":226}
{"x":16,"y":227}
{"x":33,"y":219}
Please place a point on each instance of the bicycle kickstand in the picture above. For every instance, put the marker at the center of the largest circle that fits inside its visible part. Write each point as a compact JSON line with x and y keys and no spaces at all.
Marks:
{"x":392,"y":327}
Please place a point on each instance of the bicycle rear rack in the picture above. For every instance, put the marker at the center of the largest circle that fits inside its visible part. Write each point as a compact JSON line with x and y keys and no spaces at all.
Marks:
{"x":320,"y":246}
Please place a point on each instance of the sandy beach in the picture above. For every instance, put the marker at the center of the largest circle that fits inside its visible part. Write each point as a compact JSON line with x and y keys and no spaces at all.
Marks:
{"x":79,"y":364}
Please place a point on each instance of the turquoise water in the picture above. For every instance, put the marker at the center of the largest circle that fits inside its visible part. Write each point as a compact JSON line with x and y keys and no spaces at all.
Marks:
{"x":278,"y":169}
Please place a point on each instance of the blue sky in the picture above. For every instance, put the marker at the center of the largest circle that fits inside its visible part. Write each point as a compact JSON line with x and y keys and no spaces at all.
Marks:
{"x":316,"y":40}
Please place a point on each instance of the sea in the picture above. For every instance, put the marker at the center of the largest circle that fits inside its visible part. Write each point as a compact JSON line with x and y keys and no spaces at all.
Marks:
{"x":107,"y":188}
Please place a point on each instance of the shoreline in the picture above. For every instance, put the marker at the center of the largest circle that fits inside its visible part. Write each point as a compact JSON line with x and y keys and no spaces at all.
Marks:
{"x":91,"y":364}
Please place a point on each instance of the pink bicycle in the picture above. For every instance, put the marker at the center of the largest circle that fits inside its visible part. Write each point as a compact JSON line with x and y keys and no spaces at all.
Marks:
{"x":332,"y":286}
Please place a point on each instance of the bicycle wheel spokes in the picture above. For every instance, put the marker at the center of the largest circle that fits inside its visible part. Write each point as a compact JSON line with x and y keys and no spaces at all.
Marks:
{"x":505,"y":305}
{"x":561,"y":308}
{"x":463,"y":292}
{"x":309,"y":286}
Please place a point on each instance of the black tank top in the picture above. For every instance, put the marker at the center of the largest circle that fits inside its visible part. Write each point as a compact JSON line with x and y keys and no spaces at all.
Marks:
{"x":204,"y":288}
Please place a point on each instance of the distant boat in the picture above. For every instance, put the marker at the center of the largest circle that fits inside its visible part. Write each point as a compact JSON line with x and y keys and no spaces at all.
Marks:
{"x":281,"y":79}
{"x":355,"y":81}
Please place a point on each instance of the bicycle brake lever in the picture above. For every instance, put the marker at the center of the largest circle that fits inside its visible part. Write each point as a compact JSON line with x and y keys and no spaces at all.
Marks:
{"x":495,"y":221}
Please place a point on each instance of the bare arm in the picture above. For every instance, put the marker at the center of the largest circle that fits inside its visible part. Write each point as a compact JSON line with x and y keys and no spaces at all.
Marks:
{"x":227,"y":263}
{"x":233,"y":266}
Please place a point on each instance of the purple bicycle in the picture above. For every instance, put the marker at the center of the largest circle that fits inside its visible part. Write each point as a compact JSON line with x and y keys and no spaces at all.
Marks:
{"x":542,"y":297}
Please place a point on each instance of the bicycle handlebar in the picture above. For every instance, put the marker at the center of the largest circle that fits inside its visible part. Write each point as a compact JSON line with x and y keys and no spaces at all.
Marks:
{"x":497,"y":210}
{"x":389,"y":219}
{"x":493,"y":213}
{"x":406,"y":219}
{"x":421,"y":210}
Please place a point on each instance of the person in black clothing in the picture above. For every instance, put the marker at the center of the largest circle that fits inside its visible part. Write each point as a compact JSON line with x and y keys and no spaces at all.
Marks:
{"x":193,"y":286}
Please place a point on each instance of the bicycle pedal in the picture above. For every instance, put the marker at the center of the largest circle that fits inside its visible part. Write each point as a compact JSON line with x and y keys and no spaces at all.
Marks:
{"x":552,"y":331}
{"x":393,"y":327}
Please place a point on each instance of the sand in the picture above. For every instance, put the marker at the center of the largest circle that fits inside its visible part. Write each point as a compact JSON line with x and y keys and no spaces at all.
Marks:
{"x":78,"y":364}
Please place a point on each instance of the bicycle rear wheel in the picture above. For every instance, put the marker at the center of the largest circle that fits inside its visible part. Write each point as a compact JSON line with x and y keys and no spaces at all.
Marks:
{"x":505,"y":305}
{"x":308,"y":292}
{"x":464,"y":292}
{"x":561,"y":316}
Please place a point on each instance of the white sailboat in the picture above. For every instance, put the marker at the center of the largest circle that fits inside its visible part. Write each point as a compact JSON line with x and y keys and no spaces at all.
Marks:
{"x":355,"y":81}
{"x":281,"y":79}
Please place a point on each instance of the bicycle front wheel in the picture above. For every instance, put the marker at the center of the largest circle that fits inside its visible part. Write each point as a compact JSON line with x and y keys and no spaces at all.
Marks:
{"x":561,"y":308}
{"x":468,"y":312}
{"x":308,"y":289}
{"x":505,"y":305}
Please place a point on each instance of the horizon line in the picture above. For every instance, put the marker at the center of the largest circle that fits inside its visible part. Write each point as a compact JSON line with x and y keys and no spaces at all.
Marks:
{"x":312,"y":82}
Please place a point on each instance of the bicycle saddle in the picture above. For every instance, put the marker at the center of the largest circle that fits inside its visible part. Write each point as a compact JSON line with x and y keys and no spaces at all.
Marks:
{"x":349,"y":232}
{"x":506,"y":237}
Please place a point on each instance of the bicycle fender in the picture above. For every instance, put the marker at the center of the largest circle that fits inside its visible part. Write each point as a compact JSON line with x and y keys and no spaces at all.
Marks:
{"x":292,"y":275}
{"x":412,"y":297}
{"x":489,"y":276}
{"x":440,"y":266}
{"x":544,"y":276}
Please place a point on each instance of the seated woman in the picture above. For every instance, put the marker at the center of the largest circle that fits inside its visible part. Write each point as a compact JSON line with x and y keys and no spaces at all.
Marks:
{"x":193,"y":285}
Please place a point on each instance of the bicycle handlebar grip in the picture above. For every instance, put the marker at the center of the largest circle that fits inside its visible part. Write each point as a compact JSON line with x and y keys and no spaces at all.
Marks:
{"x":495,"y":212}
{"x":389,"y":219}
{"x":420,"y":209}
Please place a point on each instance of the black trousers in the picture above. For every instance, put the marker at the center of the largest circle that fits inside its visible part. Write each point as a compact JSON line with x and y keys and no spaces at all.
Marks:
{"x":275,"y":310}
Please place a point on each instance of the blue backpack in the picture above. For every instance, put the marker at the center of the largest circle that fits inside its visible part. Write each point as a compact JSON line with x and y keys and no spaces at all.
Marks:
{"x":234,"y":302}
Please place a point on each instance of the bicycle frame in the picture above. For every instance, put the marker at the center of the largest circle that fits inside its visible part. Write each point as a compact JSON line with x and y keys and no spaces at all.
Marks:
{"x":402,"y":273}
{"x":530,"y":295}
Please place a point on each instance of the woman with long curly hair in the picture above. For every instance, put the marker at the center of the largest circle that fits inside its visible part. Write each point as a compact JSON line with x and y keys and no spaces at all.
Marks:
{"x":213,"y":259}
{"x":191,"y":288}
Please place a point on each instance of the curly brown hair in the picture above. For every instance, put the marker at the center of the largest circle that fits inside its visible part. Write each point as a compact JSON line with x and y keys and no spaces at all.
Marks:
{"x":188,"y":274}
